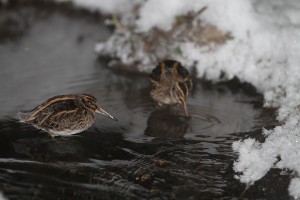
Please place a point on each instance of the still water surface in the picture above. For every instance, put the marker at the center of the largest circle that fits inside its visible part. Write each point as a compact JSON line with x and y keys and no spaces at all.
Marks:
{"x":149,"y":153}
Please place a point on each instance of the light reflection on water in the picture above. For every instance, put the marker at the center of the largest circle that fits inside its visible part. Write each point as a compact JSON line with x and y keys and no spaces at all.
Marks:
{"x":111,"y":159}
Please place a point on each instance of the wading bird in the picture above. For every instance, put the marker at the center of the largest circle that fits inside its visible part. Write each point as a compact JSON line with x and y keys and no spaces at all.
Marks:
{"x":170,"y":84}
{"x":64,"y":115}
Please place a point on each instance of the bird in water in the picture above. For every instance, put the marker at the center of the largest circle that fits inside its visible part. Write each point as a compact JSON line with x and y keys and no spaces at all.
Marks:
{"x":171,"y":84}
{"x":64,"y":114}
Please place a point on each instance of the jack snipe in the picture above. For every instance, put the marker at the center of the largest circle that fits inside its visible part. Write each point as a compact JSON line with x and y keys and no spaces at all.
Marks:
{"x":171,"y":84}
{"x":64,"y":114}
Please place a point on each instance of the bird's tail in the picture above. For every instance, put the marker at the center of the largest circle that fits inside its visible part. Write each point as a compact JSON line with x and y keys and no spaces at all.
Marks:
{"x":23,"y":116}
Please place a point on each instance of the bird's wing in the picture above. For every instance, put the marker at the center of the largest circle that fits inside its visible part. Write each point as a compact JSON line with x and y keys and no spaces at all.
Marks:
{"x":52,"y":108}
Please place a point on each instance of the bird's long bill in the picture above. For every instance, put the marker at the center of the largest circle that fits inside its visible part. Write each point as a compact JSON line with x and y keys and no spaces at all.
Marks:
{"x":182,"y":97}
{"x":185,"y":108}
{"x":103,"y":112}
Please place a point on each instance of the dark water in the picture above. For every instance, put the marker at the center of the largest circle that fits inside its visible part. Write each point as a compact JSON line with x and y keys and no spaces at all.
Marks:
{"x":150,"y":153}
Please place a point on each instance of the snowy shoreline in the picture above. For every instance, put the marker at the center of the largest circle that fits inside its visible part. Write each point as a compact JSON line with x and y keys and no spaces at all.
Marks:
{"x":256,"y":41}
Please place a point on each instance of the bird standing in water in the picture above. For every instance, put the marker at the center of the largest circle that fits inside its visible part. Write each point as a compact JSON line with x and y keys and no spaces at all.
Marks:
{"x":65,"y":114}
{"x":171,"y":84}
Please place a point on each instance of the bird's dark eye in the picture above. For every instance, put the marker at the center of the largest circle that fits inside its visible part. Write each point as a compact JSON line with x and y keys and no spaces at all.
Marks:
{"x":91,"y":105}
{"x":182,"y":71}
{"x":155,"y":75}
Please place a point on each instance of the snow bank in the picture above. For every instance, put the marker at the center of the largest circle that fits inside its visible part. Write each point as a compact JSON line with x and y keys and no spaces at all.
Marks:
{"x":104,"y":6}
{"x":263,"y":50}
{"x":294,"y":187}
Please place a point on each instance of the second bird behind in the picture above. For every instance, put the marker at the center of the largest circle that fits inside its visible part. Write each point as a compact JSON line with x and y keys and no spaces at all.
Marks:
{"x":171,"y":84}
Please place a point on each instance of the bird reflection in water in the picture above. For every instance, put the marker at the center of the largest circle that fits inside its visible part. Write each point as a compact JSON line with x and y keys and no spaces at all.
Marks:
{"x":164,"y":123}
{"x":49,"y":149}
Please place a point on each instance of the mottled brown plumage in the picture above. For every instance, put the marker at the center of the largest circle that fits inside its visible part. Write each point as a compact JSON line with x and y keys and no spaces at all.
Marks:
{"x":64,"y":114}
{"x":171,"y":83}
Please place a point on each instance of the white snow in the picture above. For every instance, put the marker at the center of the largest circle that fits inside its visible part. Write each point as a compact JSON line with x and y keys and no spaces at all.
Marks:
{"x":264,"y":51}
{"x":104,"y":6}
{"x":152,"y":13}
{"x":294,"y":188}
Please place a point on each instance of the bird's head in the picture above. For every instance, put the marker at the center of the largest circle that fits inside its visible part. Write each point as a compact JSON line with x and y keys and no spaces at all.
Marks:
{"x":90,"y":103}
